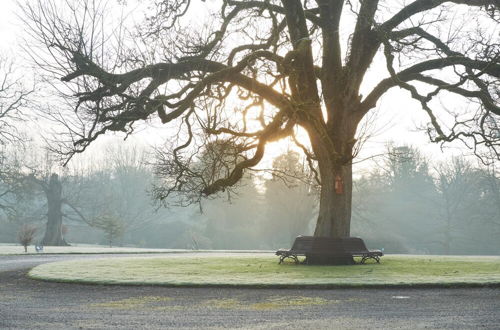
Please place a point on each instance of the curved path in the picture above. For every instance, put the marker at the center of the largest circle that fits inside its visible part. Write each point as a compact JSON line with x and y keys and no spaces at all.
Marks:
{"x":29,"y":304}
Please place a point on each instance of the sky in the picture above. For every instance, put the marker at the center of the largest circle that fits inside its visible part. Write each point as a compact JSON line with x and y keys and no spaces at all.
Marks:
{"x":396,"y":120}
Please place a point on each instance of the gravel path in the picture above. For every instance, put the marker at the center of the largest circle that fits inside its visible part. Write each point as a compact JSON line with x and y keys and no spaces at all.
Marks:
{"x":28,"y":304}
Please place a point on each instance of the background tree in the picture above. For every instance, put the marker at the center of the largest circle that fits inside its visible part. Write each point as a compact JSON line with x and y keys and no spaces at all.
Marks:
{"x":465,"y":201}
{"x":14,"y":96}
{"x":119,"y":183}
{"x":459,"y":189}
{"x":31,"y":178}
{"x":228,"y":219}
{"x":26,"y":235}
{"x":263,"y":70}
{"x":393,"y":199}
{"x":231,"y":222}
{"x":9,"y":190}
{"x":291,"y":201}
{"x":112,"y":226}
{"x":52,"y":189}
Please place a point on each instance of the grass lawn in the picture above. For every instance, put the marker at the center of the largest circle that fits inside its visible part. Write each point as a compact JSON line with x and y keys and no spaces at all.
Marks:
{"x":263,"y":270}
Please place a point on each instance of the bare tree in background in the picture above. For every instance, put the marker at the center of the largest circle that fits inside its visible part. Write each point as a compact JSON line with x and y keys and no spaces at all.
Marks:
{"x":118,"y":185}
{"x":459,"y":188}
{"x":112,"y":226}
{"x":13,"y":98}
{"x":291,"y":198}
{"x":26,"y":235}
{"x":52,"y":189}
{"x":38,"y":175}
{"x":260,"y":70}
{"x":8,"y":186}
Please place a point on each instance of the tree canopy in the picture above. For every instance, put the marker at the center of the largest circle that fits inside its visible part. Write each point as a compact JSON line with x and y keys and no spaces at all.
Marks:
{"x":257,"y":71}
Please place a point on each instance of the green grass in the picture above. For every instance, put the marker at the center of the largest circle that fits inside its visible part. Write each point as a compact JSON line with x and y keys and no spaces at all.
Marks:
{"x":401,"y":270}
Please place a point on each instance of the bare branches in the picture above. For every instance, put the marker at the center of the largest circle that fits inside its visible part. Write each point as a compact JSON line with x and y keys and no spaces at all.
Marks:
{"x":310,"y":14}
{"x":473,"y":131}
{"x":249,"y":74}
{"x":13,"y":98}
{"x":419,"y":6}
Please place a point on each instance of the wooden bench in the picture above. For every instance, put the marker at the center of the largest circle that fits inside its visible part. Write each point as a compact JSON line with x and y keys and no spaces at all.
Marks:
{"x":326,"y":250}
{"x":301,"y":246}
{"x":357,"y":248}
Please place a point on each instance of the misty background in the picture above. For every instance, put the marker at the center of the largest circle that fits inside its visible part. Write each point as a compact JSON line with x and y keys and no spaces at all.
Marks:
{"x":404,"y":203}
{"x":406,"y":199}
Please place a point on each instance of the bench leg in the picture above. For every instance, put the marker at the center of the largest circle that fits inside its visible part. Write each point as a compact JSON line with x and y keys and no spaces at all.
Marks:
{"x":294,"y":257}
{"x":376,"y":258}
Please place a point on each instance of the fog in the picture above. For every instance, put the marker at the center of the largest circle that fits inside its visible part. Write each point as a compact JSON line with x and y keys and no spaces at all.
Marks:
{"x":405,"y":204}
{"x":405,"y":199}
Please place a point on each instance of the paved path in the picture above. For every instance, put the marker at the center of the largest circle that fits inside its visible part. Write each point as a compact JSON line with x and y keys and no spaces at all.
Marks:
{"x":28,"y":304}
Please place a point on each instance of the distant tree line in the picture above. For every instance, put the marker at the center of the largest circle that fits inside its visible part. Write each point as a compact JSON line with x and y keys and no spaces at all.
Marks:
{"x":406,"y":204}
{"x":412,"y":205}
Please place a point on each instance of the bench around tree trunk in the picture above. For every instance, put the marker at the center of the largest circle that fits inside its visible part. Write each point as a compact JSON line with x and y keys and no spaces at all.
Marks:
{"x":326,"y":250}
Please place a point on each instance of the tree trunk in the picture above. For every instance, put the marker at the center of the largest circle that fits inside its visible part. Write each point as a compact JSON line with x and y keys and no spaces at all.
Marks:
{"x":53,"y":233}
{"x":335,"y":167}
{"x":334,"y":218}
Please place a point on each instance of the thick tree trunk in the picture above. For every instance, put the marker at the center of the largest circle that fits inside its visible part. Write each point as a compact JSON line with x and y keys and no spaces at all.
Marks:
{"x":53,"y":233}
{"x":334,"y":218}
{"x":335,"y":167}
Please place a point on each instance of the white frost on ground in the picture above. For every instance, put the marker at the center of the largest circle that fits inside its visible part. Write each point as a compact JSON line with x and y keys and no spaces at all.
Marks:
{"x":14,"y":249}
{"x":7,"y":249}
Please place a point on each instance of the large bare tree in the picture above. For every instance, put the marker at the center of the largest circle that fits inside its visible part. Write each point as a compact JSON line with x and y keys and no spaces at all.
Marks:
{"x":262,"y":70}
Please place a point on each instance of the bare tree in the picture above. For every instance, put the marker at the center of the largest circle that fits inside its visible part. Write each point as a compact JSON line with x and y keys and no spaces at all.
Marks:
{"x":7,"y":185}
{"x":26,"y":235}
{"x":38,"y":175}
{"x":458,"y":186}
{"x":52,"y":189}
{"x":291,"y":199}
{"x":13,"y":98}
{"x":111,"y":225}
{"x":260,"y":71}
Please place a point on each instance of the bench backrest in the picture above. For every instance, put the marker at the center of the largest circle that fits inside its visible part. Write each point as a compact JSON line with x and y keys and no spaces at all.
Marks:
{"x":303,"y":243}
{"x":354,"y":245}
{"x":328,"y":245}
{"x":318,"y":245}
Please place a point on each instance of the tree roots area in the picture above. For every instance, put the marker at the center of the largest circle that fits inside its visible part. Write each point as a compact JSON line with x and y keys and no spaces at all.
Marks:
{"x":264,"y":271}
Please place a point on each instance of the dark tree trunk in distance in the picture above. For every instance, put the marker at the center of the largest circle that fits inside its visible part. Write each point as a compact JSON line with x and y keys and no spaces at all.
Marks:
{"x":53,"y":233}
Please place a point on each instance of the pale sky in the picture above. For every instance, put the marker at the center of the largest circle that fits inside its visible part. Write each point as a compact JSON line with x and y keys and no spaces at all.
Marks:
{"x":397,"y":118}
